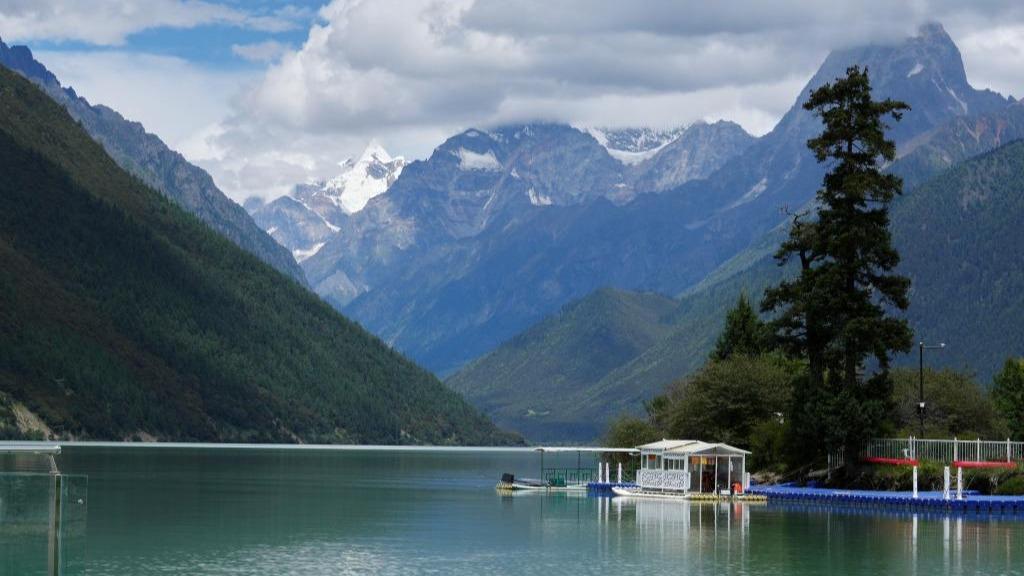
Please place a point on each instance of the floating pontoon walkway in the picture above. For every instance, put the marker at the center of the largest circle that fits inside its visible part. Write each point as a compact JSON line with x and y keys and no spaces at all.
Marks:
{"x":605,"y":488}
{"x":972,"y":502}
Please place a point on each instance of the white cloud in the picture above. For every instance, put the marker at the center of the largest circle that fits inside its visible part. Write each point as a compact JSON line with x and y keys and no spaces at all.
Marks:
{"x":993,"y":57}
{"x":412,"y":72}
{"x":110,"y":22}
{"x":173,"y":98}
{"x":266,"y":51}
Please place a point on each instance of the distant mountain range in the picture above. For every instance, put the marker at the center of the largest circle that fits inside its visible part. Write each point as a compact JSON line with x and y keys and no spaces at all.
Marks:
{"x":124,"y":317}
{"x":493,"y":231}
{"x":950,"y":122}
{"x":147,"y":157}
{"x":499,"y":228}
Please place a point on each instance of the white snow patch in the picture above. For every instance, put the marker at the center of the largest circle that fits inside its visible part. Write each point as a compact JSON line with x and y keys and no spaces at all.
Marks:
{"x":598,"y":135}
{"x":915,"y":70}
{"x":327,"y":223}
{"x":301,"y":255}
{"x":538,"y":199}
{"x":633,"y":158}
{"x":625,"y":157}
{"x":469,"y":160}
{"x":755,"y":191}
{"x":963,"y":105}
{"x":272,"y":230}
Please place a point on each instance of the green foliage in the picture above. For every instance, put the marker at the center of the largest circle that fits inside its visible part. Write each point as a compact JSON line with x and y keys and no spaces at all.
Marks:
{"x":1008,"y":395}
{"x":741,"y":400}
{"x":957,"y":406}
{"x":768,"y":445}
{"x":1013,"y":486}
{"x":744,"y":333}
{"x":930,"y":477}
{"x":630,"y":431}
{"x":729,"y":401}
{"x":120,"y":314}
{"x":835,"y":313}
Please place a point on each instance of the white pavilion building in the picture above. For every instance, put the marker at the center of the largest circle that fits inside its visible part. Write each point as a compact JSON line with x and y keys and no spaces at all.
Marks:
{"x":692,"y":466}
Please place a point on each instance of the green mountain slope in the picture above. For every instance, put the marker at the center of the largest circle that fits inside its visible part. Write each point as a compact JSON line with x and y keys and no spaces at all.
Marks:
{"x":122,"y":316}
{"x":144,"y":155}
{"x":545,"y":371}
{"x":699,"y":313}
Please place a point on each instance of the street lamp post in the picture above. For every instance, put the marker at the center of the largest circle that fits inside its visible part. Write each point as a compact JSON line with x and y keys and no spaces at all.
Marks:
{"x":921,"y":347}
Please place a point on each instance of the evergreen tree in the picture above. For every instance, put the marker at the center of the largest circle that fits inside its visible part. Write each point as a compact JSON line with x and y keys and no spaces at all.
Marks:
{"x":835,"y":313}
{"x":1008,"y":395}
{"x":744,"y":333}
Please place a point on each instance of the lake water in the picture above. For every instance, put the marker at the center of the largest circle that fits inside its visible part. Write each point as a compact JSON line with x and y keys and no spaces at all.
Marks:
{"x":212,"y":511}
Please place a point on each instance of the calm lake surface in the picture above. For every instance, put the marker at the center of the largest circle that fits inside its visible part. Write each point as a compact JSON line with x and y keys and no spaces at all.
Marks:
{"x":214,"y":511}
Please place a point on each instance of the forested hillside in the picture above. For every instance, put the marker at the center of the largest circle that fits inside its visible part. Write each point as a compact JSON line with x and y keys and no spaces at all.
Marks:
{"x":537,"y":383}
{"x":121,"y":316}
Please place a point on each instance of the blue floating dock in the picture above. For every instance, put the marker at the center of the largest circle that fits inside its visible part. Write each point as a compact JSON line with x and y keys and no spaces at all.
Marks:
{"x":601,"y":488}
{"x":972,"y":503}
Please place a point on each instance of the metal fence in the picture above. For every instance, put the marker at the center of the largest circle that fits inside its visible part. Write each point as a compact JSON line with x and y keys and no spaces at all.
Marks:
{"x":946,"y":451}
{"x":570,"y":476}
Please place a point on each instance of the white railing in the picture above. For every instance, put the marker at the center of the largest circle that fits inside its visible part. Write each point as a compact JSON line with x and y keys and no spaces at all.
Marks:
{"x":946,"y":451}
{"x":663,"y":479}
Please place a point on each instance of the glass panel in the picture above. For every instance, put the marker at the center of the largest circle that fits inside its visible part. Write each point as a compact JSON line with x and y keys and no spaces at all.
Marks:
{"x":24,"y":523}
{"x":41,"y":534}
{"x":73,"y":525}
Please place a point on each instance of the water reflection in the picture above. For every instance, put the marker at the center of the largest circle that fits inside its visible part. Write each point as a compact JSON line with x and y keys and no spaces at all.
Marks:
{"x":741,"y":538}
{"x":313,"y":513}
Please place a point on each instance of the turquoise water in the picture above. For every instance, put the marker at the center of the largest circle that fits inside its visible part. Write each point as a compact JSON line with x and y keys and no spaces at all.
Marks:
{"x":275,"y":512}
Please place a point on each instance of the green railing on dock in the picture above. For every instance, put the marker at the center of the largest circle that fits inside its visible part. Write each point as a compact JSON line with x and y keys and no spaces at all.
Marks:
{"x":571,"y":476}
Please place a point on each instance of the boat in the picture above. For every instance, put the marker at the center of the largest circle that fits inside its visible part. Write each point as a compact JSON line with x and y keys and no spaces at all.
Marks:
{"x":509,"y":482}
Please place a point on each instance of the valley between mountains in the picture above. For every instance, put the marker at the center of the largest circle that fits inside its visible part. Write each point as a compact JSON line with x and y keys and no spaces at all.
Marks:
{"x":554,"y":276}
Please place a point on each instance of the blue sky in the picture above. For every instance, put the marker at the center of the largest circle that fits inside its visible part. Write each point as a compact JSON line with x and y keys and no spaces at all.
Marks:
{"x":264,"y":94}
{"x":208,"y":45}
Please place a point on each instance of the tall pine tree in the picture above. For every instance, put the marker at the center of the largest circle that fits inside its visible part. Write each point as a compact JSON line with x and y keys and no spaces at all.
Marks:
{"x":744,"y":333}
{"x":836,"y":312}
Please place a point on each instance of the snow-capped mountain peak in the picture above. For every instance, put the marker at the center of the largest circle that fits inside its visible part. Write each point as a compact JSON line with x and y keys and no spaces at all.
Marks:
{"x":632,"y":145}
{"x":363,"y":179}
{"x":374,"y":152}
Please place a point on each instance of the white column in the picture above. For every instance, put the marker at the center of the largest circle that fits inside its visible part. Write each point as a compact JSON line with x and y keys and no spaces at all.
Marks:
{"x":915,"y":481}
{"x":620,"y":473}
{"x":959,"y":483}
{"x":945,"y":483}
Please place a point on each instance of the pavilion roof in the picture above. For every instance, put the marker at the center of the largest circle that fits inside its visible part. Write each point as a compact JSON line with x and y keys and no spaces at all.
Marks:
{"x":685,"y":447}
